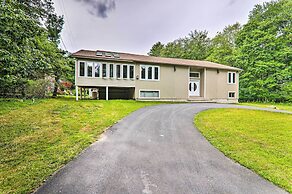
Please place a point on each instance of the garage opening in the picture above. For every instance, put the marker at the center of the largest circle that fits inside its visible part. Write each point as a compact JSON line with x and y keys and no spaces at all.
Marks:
{"x":116,"y":93}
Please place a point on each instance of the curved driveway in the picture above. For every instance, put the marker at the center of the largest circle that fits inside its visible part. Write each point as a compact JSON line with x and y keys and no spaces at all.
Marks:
{"x":156,"y":150}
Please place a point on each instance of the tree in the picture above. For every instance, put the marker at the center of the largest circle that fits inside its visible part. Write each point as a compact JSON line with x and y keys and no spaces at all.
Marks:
{"x":264,"y":53}
{"x":28,"y":48}
{"x":156,"y":49}
{"x":20,"y":58}
{"x":223,"y":45}
{"x":194,"y":46}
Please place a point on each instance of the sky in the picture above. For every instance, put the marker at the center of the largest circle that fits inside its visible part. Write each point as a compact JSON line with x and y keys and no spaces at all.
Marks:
{"x":135,"y":25}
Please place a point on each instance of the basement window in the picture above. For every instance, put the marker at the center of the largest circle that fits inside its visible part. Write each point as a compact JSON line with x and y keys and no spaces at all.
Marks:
{"x":231,"y":94}
{"x":149,"y":94}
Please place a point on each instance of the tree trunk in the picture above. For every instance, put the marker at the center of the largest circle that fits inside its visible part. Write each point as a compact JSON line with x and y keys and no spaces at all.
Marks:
{"x":56,"y":87}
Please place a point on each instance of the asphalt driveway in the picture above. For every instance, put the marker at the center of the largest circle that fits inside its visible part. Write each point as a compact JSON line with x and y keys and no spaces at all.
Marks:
{"x":156,"y":150}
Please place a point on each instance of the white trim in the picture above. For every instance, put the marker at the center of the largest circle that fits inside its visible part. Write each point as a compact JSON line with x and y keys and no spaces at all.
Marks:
{"x":149,"y":90}
{"x":231,"y":97}
{"x":232,"y":75}
{"x":146,"y":72}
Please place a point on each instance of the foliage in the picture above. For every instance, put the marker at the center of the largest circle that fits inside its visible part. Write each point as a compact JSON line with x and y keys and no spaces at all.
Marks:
{"x":36,"y":88}
{"x":37,"y":139}
{"x":195,"y":46}
{"x":264,"y":53}
{"x":259,"y":140}
{"x":28,"y":48}
{"x":223,"y":45}
{"x":262,"y":48}
{"x":156,"y":49}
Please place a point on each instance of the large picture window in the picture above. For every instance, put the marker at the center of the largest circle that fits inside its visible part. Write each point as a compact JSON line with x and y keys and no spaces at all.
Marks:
{"x":111,"y":70}
{"x":89,"y":69}
{"x":131,"y":72}
{"x":156,"y":73}
{"x":125,"y":71}
{"x":104,"y":70}
{"x":81,"y":68}
{"x":97,"y":69}
{"x":149,"y":72}
{"x":231,"y":77}
{"x":143,"y":72}
{"x":118,"y":71}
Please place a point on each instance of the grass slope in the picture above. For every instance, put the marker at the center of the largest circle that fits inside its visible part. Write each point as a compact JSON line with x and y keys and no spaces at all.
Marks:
{"x":259,"y":140}
{"x":37,"y":139}
{"x":280,"y":106}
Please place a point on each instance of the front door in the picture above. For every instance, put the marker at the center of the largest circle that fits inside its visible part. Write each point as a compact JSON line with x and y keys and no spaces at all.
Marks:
{"x":194,"y":88}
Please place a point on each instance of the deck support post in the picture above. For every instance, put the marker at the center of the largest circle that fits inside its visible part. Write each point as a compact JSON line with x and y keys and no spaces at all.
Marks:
{"x":106,"y":92}
{"x":205,"y":83}
{"x":76,"y":91}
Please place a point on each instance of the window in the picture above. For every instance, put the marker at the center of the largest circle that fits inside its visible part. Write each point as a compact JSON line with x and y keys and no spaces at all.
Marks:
{"x":81,"y":68}
{"x":89,"y":69}
{"x":131,"y":72}
{"x":111,"y":70}
{"x":118,"y":71}
{"x":149,"y":94}
{"x":104,"y":70}
{"x":231,"y":77}
{"x":125,"y":71}
{"x":194,"y":74}
{"x":231,"y":94}
{"x":143,"y":72}
{"x":156,"y":72}
{"x":97,"y":69}
{"x":149,"y":72}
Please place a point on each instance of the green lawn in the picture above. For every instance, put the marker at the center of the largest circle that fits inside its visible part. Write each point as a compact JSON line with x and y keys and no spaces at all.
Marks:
{"x":36,"y":139}
{"x":259,"y":140}
{"x":280,"y":106}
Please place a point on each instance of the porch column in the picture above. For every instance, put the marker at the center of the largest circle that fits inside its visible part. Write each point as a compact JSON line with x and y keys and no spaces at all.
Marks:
{"x":76,"y":91}
{"x":205,"y":83}
{"x":106,"y":92}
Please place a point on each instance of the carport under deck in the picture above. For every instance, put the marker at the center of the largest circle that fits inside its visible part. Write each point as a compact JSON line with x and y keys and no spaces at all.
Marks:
{"x":107,"y":92}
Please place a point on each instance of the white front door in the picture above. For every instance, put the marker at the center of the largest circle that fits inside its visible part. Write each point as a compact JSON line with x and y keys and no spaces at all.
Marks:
{"x":194,"y":88}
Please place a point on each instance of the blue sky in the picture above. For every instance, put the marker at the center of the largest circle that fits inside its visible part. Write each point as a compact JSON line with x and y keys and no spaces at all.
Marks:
{"x":135,"y":25}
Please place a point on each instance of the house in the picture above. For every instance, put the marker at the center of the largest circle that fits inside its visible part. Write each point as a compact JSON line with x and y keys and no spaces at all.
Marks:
{"x":115,"y":75}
